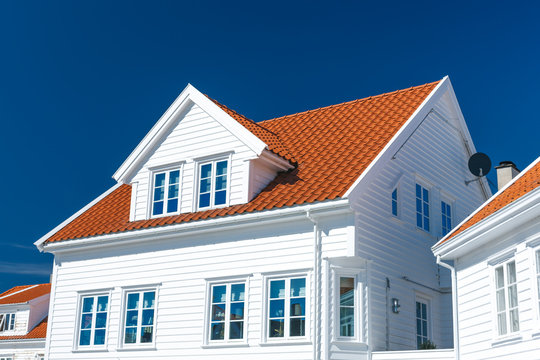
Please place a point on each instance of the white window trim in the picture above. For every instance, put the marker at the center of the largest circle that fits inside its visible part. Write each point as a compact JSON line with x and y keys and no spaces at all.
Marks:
{"x":422,"y":298}
{"x":429,"y":188}
{"x":80,"y":296}
{"x":265,"y":339}
{"x":12,"y":315}
{"x":452,"y":214}
{"x":198,"y":162}
{"x":207,"y":313}
{"x":358,"y":295}
{"x":152,"y":175}
{"x":502,"y":260}
{"x":122,"y":326}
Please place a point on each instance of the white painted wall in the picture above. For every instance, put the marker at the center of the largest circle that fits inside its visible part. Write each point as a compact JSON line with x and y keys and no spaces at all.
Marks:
{"x":477,"y":305}
{"x":22,"y":349}
{"x":435,"y":154}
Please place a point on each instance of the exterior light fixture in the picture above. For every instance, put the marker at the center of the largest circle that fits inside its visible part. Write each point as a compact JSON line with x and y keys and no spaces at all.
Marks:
{"x":395,"y":306}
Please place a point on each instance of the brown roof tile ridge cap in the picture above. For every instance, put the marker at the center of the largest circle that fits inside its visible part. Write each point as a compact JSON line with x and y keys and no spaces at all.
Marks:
{"x":490,"y":200}
{"x":24,"y":288}
{"x":354,"y":101}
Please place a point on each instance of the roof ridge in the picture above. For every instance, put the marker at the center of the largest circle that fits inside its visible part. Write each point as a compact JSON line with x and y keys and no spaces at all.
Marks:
{"x":353,"y":101}
{"x":28,"y":287}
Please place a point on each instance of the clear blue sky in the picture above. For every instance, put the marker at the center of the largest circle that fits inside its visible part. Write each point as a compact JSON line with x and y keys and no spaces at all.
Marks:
{"x":82,"y":82}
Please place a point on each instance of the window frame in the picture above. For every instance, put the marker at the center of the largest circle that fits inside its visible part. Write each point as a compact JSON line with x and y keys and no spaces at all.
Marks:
{"x":11,"y":322}
{"x":423,"y":187}
{"x":358,"y":294}
{"x":265,"y":339}
{"x":152,"y":181}
{"x":397,"y":213}
{"x":503,"y":262}
{"x":423,"y":299}
{"x":197,"y":182}
{"x":229,"y":281}
{"x":76,"y":339}
{"x":449,"y":204}
{"x":121,"y":338}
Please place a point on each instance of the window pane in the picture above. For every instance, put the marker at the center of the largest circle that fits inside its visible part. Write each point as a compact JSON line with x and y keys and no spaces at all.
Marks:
{"x":158,"y":208}
{"x":160,"y":180}
{"x":172,"y":206}
{"x":146,"y":334}
{"x":394,"y":208}
{"x":206,"y":171}
{"x":346,"y":321}
{"x":418,"y":310}
{"x":102,"y":303}
{"x":132,"y":317}
{"x":418,"y":191}
{"x":424,"y":311}
{"x":499,"y":277}
{"x":204,"y":200}
{"x":298,"y":306}
{"x":277,"y":289}
{"x":298,"y":287}
{"x":205,"y":186}
{"x":221,"y":168}
{"x":101,"y":320}
{"x":220,"y":198}
{"x":148,"y":317}
{"x":218,"y":312}
{"x":221,"y":183}
{"x":131,"y":335}
{"x":419,"y":220}
{"x":86,"y":322}
{"x":501,"y":319}
{"x":346,"y":291}
{"x":298,"y":327}
{"x":237,"y":292}
{"x":133,"y":301}
{"x":276,"y":328}
{"x":173,"y":191}
{"x":394,"y":194}
{"x":538,"y":261}
{"x":219,"y":294}
{"x":217,"y":331}
{"x":511,"y":268}
{"x":512,"y":296}
{"x":237,"y":311}
{"x":159,"y":193}
{"x":426,"y":195}
{"x":236,"y":330}
{"x":500,"y":300}
{"x":174,"y":177}
{"x":514,"y":320}
{"x":99,"y":337}
{"x":419,"y":205}
{"x":148,"y":299}
{"x":88,"y":304}
{"x":277,"y":308}
{"x":85,"y":337}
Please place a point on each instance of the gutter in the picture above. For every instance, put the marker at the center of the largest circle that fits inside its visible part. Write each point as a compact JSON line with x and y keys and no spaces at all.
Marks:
{"x":317,"y":292}
{"x":455,"y":317}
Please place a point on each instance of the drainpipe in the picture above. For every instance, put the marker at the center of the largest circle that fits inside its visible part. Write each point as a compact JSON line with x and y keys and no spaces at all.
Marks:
{"x":454,"y":305}
{"x":316,"y":292}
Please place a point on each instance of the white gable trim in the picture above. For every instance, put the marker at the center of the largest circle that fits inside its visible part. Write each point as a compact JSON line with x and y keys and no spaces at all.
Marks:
{"x":190,"y":95}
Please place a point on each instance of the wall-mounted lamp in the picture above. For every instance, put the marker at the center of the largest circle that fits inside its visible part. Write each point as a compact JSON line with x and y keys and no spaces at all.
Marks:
{"x":395,"y":306}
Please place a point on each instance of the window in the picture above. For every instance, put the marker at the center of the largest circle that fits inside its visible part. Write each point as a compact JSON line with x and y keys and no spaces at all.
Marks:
{"x":346,"y":306}
{"x":166,"y":192}
{"x":287,"y":308}
{"x":538,"y":276}
{"x":421,"y":322}
{"x":446,"y":220}
{"x":422,"y":207}
{"x":139,"y":317}
{"x":7,"y":322}
{"x":227,"y":311}
{"x":6,"y":357}
{"x":213,"y":183}
{"x":395,"y":202}
{"x":506,"y":298}
{"x":93,"y":320}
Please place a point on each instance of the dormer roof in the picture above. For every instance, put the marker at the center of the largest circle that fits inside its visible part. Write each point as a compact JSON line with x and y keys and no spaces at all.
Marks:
{"x":24,"y":293}
{"x":38,"y":332}
{"x":331,"y":148}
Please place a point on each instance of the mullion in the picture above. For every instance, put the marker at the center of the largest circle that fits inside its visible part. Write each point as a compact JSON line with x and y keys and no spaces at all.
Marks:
{"x":227,"y":312}
{"x":139,"y":318}
{"x":287,"y":322}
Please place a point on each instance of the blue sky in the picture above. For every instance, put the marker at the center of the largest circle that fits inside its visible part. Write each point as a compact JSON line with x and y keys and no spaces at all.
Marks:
{"x":82,"y":82}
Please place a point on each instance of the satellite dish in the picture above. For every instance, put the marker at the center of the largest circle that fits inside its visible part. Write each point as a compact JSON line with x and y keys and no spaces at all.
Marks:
{"x":479,"y":164}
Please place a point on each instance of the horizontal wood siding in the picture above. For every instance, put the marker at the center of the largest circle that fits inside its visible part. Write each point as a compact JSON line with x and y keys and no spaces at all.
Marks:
{"x":436,"y":154}
{"x":181,"y":266}
{"x":194,"y":133}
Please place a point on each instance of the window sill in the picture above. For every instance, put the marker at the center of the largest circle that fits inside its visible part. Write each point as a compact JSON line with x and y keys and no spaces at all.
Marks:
{"x":536,"y":335}
{"x":286,"y":342}
{"x":224,"y":345}
{"x":137,"y":348}
{"x":90,"y":350}
{"x":506,"y":340}
{"x":353,"y":342}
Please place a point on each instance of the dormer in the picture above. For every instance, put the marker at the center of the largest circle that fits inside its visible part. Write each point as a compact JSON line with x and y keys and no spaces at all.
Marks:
{"x":200,"y":155}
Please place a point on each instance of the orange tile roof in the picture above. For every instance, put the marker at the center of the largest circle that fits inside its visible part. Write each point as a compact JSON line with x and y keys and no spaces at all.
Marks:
{"x":332,"y":146}
{"x":527,"y":182}
{"x":24,"y":293}
{"x":39,"y":332}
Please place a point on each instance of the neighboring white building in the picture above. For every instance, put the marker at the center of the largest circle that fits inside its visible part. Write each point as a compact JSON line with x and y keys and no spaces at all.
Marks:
{"x":23,"y":322}
{"x":289,"y":238}
{"x":496,"y":255}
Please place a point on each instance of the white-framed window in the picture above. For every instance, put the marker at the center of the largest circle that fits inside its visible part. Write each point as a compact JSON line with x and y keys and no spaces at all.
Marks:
{"x":422,"y":207}
{"x":165,"y":192}
{"x":139,"y":317}
{"x":7,"y":322}
{"x":506,"y":298}
{"x":394,"y":201}
{"x":227,"y":312}
{"x":347,"y":304}
{"x":286,"y":315}
{"x":213,"y":183}
{"x":92,"y":320}
{"x":422,"y":321}
{"x":446,"y":217}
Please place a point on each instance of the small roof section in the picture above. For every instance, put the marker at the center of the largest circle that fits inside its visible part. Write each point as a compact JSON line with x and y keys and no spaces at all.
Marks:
{"x":39,"y":332}
{"x":331,"y":147}
{"x":527,"y":181}
{"x":23,"y":294}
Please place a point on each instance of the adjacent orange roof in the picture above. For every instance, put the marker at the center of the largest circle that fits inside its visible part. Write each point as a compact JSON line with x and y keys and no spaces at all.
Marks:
{"x":527,"y":182}
{"x":331,"y":146}
{"x":24,"y":293}
{"x":39,"y":332}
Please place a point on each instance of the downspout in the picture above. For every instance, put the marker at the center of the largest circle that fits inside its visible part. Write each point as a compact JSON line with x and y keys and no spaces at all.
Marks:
{"x":454,"y":305}
{"x":316,"y":288}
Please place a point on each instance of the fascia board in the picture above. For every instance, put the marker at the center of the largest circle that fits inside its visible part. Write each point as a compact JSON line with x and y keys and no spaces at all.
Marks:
{"x":188,"y":96}
{"x":44,"y":238}
{"x":340,"y":206}
{"x":512,"y":216}
{"x":385,"y":154}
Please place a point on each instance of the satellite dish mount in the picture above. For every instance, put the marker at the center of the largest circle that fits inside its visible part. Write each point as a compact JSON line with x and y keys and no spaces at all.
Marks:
{"x":479,"y":166}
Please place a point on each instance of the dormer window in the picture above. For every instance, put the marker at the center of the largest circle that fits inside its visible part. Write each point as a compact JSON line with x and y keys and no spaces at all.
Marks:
{"x":7,"y":322}
{"x":166,"y":192}
{"x":213,"y":183}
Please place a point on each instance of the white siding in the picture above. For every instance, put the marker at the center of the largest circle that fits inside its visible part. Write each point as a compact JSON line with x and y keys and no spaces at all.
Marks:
{"x":181,"y":266}
{"x":434,"y":153}
{"x":194,"y":134}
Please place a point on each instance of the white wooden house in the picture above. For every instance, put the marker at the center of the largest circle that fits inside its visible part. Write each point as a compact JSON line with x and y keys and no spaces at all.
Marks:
{"x":23,"y":322}
{"x":496,"y":258}
{"x":302,"y":237}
